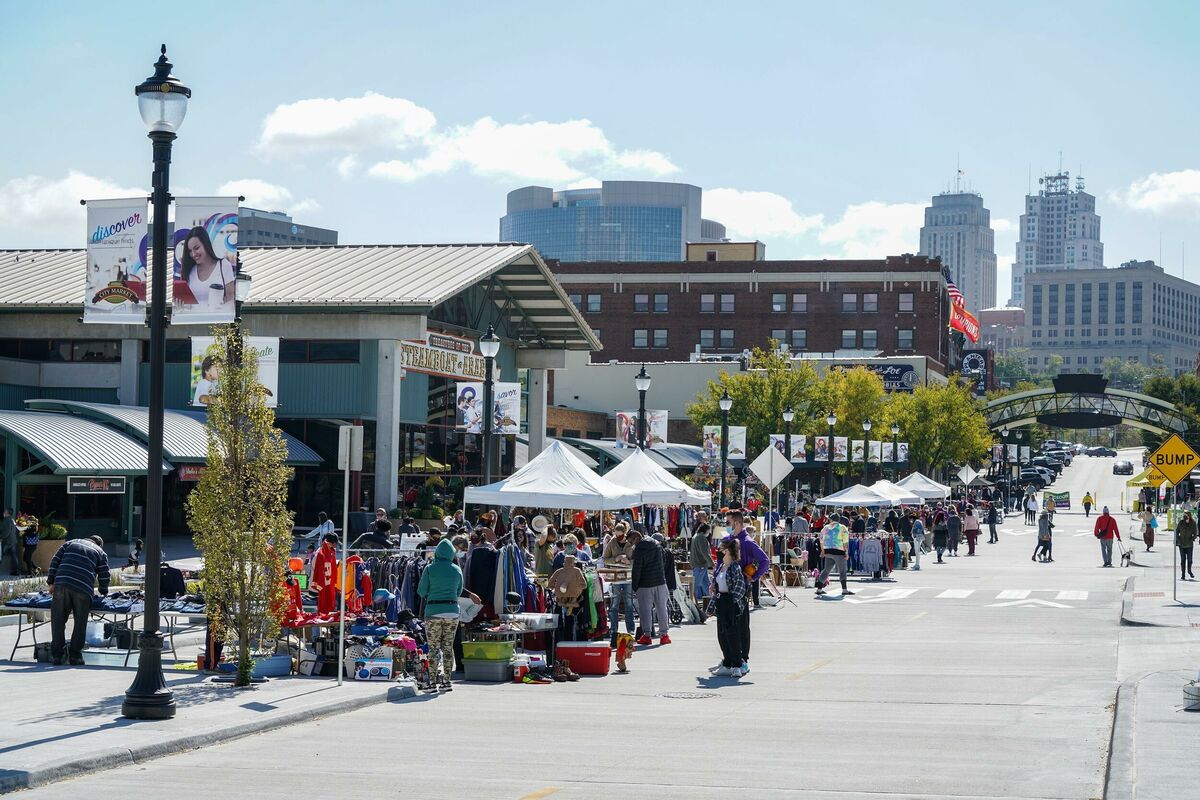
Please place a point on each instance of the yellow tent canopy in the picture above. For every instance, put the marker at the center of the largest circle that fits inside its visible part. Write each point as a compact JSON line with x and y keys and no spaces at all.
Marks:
{"x":423,"y":463}
{"x":1142,"y":479}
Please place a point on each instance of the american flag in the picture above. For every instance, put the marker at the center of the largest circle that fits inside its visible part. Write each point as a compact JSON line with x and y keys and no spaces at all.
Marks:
{"x":956,"y":297}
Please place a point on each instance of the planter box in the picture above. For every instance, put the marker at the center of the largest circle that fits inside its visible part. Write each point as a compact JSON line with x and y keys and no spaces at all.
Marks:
{"x":45,"y":552}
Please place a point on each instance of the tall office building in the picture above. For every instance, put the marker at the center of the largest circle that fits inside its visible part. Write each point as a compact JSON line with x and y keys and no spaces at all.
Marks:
{"x":1060,"y":229}
{"x":959,"y":230}
{"x":620,"y":221}
{"x":257,"y":228}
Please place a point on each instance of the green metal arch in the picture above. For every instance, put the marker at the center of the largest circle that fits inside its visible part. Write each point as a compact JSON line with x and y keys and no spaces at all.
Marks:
{"x":1110,"y":406}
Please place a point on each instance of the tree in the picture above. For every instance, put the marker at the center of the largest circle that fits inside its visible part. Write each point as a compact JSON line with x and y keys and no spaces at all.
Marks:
{"x":1012,"y":367}
{"x":760,"y":395}
{"x":238,"y":510}
{"x":942,"y":424}
{"x":854,"y":395}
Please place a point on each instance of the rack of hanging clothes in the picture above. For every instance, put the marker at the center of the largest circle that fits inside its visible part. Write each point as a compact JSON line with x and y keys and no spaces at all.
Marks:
{"x":873,"y":554}
{"x":493,"y":571}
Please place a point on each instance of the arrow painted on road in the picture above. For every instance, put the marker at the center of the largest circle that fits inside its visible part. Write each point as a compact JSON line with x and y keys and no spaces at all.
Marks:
{"x":890,"y":594}
{"x":1033,"y":601}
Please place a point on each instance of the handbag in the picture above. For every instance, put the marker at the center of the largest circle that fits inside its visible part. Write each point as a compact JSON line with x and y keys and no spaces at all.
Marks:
{"x":468,"y":609}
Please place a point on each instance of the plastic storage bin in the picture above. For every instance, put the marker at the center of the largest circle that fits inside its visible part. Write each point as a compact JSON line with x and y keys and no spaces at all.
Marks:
{"x":585,"y":658}
{"x":487,"y":670}
{"x":488,"y":651}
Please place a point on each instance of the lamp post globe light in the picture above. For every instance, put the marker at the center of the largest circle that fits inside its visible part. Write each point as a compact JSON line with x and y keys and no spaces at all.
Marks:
{"x":725,"y":403}
{"x":162,"y":102}
{"x":641,"y":382}
{"x":489,"y":346}
{"x":830,"y":420}
{"x":866,"y":448}
{"x":895,"y":451}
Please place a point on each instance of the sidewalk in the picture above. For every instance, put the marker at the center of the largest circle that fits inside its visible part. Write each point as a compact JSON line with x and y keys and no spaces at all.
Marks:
{"x":64,"y":721}
{"x":1148,"y":595}
{"x":1154,"y":740}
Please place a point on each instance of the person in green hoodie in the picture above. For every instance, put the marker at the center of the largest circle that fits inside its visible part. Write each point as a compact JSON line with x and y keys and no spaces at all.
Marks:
{"x":440,"y":587}
{"x":1185,"y":538}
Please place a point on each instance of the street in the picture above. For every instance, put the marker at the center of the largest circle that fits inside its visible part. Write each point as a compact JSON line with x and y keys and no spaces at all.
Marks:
{"x":986,"y":677}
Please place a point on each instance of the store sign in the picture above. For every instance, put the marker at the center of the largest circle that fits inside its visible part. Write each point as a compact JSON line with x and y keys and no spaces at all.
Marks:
{"x":190,"y":472}
{"x":977,"y":368}
{"x":443,"y":355}
{"x":896,"y":377}
{"x":82,"y":484}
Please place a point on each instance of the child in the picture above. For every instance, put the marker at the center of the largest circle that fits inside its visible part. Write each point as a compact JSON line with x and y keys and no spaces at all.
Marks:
{"x":30,"y":539}
{"x":135,"y":555}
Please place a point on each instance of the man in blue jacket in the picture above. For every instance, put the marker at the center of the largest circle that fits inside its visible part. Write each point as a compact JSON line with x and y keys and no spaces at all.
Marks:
{"x":754,"y":563}
{"x":73,"y":573}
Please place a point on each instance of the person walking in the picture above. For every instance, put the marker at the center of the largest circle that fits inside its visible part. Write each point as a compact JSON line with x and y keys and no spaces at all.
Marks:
{"x":649,"y":582}
{"x":1105,"y":530}
{"x":728,"y":602}
{"x":700,"y":559}
{"x":834,"y":542}
{"x":1031,"y":509}
{"x":970,"y":524}
{"x":754,"y":562}
{"x":954,"y":530}
{"x":77,"y":566}
{"x":1045,"y":532}
{"x":8,"y":542}
{"x":917,"y":532}
{"x":440,"y":586}
{"x":993,"y":519}
{"x":1088,"y":502}
{"x":1185,"y":540}
{"x":939,"y":533}
{"x":1149,"y":527}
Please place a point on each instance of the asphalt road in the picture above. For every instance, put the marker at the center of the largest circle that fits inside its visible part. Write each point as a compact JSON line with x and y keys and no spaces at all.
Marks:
{"x":985,"y":677}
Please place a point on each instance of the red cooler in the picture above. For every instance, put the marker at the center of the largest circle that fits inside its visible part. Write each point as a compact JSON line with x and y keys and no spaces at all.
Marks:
{"x":586,"y":658}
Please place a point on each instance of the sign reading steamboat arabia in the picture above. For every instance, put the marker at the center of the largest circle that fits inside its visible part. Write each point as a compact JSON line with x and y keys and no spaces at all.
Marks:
{"x":441,"y":354}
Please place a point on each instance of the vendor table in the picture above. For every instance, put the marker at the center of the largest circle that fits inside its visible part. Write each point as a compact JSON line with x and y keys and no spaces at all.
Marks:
{"x":99,"y":614}
{"x":299,"y":632}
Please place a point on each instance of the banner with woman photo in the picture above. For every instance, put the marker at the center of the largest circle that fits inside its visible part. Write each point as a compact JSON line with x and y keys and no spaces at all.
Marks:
{"x":779,"y":440}
{"x":115,"y":288}
{"x":841,"y":448}
{"x":206,"y":260}
{"x":712,"y":441}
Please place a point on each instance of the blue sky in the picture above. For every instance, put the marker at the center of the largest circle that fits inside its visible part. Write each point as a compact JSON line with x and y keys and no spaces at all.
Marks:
{"x":820,"y":128}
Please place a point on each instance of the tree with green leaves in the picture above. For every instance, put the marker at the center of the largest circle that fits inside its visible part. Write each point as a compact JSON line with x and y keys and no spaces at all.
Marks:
{"x":238,"y":510}
{"x":942,"y":424}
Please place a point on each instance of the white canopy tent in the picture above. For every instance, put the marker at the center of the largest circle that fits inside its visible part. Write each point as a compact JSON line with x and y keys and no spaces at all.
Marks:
{"x":927,"y":488}
{"x":902,"y":496}
{"x":640,"y":473}
{"x":555,"y":479}
{"x":858,"y":495}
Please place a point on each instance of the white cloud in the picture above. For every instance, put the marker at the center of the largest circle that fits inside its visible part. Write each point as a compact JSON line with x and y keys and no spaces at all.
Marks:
{"x":267,"y":196}
{"x":585,"y":183}
{"x":38,"y":210}
{"x":756,"y":215}
{"x":874,"y":230}
{"x":1163,"y":192}
{"x":348,"y":166}
{"x":1003,"y":226}
{"x":352,"y":123}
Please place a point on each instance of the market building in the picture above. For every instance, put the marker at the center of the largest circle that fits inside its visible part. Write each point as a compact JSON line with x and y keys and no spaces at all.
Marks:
{"x":372,"y":335}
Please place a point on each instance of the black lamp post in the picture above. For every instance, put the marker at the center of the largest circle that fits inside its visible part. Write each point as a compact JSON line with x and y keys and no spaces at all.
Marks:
{"x":1004,"y":458}
{"x":830,"y":420}
{"x":726,"y":403}
{"x":866,"y":449}
{"x":489,"y":346}
{"x":895,"y":451}
{"x":162,"y":102}
{"x":240,"y":296}
{"x":788,"y":416}
{"x":642,"y":383}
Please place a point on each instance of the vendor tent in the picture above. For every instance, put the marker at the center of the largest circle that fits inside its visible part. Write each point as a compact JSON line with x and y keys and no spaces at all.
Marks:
{"x":927,"y":488}
{"x":900,"y":495}
{"x":858,"y":495}
{"x":1141,"y":480}
{"x":555,"y":479}
{"x":423,"y":463}
{"x":640,"y":473}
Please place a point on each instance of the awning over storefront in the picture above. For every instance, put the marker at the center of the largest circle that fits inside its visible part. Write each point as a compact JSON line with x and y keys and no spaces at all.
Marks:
{"x":76,"y":446}
{"x":184,"y":437}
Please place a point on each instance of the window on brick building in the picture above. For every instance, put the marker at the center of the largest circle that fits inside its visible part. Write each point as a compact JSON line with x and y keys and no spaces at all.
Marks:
{"x":660,"y":304}
{"x":641,"y":337}
{"x":726,"y":304}
{"x":904,"y":339}
{"x":576,"y":300}
{"x":593,"y":304}
{"x":708,"y":337}
{"x":849,"y":301}
{"x":779,"y":335}
{"x":799,"y":340}
{"x":726,"y":337}
{"x":905,"y":302}
{"x":849,"y":340}
{"x":708,"y":303}
{"x":870,"y":302}
{"x":660,"y":337}
{"x":779,"y":302}
{"x":870,"y":340}
{"x":800,"y":303}
{"x":641,"y":302}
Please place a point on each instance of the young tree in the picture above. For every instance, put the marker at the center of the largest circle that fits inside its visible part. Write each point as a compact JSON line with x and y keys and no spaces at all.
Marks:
{"x":238,"y":510}
{"x":941,"y":424}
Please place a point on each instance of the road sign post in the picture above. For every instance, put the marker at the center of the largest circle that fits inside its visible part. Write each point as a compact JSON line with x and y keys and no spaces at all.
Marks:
{"x":1175,"y":460}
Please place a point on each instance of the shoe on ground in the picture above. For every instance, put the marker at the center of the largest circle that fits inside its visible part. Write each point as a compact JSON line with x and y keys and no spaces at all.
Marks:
{"x":76,"y":662}
{"x":57,"y":661}
{"x":745,"y":670}
{"x":820,"y":591}
{"x":716,"y":668}
{"x":664,"y":640}
{"x":846,"y":591}
{"x":727,"y":672}
{"x":917,"y":568}
{"x":645,"y":640}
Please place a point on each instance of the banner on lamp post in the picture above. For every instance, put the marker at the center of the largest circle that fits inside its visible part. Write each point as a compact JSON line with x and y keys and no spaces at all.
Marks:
{"x":841,"y":448}
{"x":858,"y":450}
{"x":712,"y":441}
{"x":902,"y":452}
{"x":115,"y":288}
{"x":205,"y":260}
{"x":875,"y":452}
{"x":506,"y":407}
{"x":821,"y":448}
{"x":206,"y":368}
{"x":656,"y":428}
{"x":779,"y":441}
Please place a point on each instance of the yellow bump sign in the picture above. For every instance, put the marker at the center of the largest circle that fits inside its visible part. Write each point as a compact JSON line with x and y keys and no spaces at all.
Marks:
{"x":1174,"y":459}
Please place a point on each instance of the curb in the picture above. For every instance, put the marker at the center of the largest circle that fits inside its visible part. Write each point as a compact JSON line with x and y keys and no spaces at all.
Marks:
{"x":109,"y":758}
{"x":1122,"y":769}
{"x":1127,"y":617}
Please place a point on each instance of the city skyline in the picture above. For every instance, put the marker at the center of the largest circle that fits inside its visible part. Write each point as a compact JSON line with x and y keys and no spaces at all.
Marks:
{"x":414,"y":143}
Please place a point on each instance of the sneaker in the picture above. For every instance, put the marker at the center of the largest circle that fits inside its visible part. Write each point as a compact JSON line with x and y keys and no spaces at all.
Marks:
{"x":716,"y":668}
{"x":846,"y":592}
{"x":741,"y":673}
{"x":645,"y":640}
{"x":820,"y":591}
{"x":917,"y":568}
{"x":726,"y":672}
{"x":745,"y":668}
{"x":76,"y":662}
{"x":57,"y":661}
{"x":665,"y":639}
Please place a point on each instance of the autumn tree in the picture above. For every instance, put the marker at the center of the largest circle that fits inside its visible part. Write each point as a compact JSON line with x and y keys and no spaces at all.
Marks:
{"x":942,"y":424}
{"x":238,"y":510}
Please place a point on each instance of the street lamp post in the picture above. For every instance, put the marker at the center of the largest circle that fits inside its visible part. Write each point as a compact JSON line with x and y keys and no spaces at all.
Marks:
{"x":1004,"y":459}
{"x":726,"y":403}
{"x":866,"y":449}
{"x":489,"y":346}
{"x":830,"y":420}
{"x":788,"y":416}
{"x":1017,"y":439}
{"x":895,"y":451}
{"x":642,"y":383}
{"x":162,"y":102}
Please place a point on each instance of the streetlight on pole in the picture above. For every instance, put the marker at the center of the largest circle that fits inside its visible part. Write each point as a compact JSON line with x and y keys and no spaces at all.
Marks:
{"x":1004,"y":458}
{"x":489,"y":346}
{"x":642,"y":383}
{"x":162,"y":102}
{"x":788,"y":416}
{"x":830,"y":420}
{"x":866,"y":449}
{"x":895,"y":451}
{"x":726,"y":403}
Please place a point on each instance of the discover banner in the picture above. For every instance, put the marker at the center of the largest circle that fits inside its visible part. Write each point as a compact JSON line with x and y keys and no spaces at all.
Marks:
{"x":206,"y":368}
{"x":206,"y":260}
{"x":115,"y":290}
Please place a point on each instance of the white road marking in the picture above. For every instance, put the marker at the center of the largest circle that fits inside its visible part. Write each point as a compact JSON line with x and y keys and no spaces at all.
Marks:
{"x":1030,"y":602}
{"x":890,"y":594}
{"x":956,"y":594}
{"x":1013,"y":594}
{"x":1071,"y":595}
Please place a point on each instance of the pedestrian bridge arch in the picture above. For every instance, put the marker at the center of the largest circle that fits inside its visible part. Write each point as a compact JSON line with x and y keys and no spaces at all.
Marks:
{"x":1083,"y":402}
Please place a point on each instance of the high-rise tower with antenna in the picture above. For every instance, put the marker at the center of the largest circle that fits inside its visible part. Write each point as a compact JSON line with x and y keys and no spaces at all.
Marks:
{"x":1060,"y":229}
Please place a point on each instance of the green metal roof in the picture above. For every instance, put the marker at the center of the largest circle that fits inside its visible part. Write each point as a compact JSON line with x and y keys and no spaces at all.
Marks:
{"x":76,"y":446}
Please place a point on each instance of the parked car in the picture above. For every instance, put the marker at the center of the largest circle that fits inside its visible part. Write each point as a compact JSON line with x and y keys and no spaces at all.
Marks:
{"x":1062,"y":456}
{"x":1079,"y":449}
{"x":1123,"y":467}
{"x":1051,"y":464}
{"x":1101,"y":451}
{"x":1031,"y":476}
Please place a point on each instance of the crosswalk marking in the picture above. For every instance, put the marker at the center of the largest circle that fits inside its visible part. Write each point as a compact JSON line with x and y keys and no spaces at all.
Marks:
{"x":956,"y":594}
{"x":1013,"y":594}
{"x":1069,"y":595}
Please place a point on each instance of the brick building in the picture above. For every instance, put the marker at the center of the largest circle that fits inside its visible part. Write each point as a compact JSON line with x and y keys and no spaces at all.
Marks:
{"x":668,"y":311}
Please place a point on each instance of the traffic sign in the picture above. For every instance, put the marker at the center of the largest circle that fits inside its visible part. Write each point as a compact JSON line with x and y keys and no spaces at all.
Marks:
{"x":1174,"y":459}
{"x":1155,"y":477}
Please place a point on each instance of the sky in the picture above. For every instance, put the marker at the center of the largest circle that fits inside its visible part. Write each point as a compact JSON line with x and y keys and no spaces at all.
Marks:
{"x":822,"y":129}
